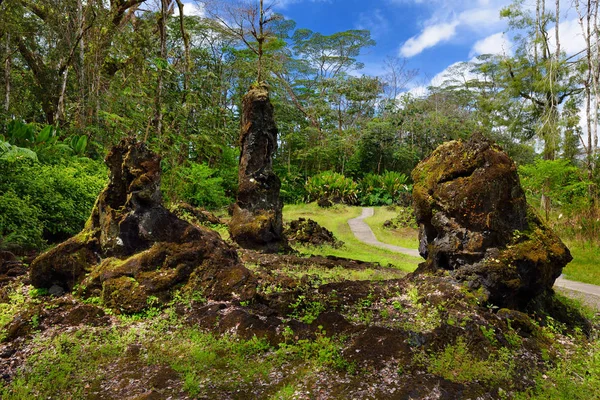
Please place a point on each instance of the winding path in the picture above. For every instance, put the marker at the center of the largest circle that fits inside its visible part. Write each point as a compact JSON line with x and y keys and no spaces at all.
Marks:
{"x":363,"y":232}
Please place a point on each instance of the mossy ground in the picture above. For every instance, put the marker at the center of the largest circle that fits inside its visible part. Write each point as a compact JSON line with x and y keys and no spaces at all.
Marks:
{"x":343,"y":332}
{"x":402,"y":338}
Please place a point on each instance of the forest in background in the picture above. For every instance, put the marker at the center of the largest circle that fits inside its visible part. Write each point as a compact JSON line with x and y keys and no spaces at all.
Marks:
{"x":77,"y":76}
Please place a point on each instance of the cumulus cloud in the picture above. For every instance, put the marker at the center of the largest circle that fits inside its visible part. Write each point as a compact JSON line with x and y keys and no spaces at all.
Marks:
{"x":571,"y":37}
{"x":193,"y":9}
{"x":497,"y":43}
{"x":430,"y":36}
{"x":449,"y":18}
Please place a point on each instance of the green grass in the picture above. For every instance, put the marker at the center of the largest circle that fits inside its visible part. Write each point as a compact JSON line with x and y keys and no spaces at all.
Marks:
{"x":74,"y":365}
{"x":585,"y":266}
{"x":404,"y":237}
{"x":336,"y":220}
{"x":576,"y":377}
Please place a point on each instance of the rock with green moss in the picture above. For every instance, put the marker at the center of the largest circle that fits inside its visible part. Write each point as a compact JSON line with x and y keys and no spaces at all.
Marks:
{"x":257,"y":221}
{"x":474,"y":221}
{"x":132,"y":249}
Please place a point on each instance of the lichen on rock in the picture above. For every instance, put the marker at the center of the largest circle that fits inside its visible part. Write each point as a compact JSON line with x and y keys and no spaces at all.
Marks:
{"x":132,"y":248}
{"x":474,"y":221}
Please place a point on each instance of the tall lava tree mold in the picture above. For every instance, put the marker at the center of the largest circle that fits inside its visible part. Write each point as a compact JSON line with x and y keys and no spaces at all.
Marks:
{"x":257,"y":222}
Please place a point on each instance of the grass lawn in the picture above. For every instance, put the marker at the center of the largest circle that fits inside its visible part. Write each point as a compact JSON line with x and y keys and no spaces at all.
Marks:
{"x":403,"y":237}
{"x":336,"y":220}
{"x":585,"y":266}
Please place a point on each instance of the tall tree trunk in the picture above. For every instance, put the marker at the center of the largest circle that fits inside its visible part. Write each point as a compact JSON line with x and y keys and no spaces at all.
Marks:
{"x":162,"y":30}
{"x":7,"y":67}
{"x":260,"y":39}
{"x":186,"y":46}
{"x":556,"y":32}
{"x":60,"y":105}
{"x":81,"y":66}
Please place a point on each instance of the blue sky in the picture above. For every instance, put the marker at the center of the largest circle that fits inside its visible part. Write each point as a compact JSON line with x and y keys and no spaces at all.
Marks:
{"x":431,"y":34}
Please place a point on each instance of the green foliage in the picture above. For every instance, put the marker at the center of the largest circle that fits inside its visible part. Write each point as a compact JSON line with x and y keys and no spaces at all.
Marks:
{"x":324,"y":351}
{"x":47,"y":202}
{"x":306,"y":311}
{"x":78,"y":144}
{"x":43,"y":142}
{"x":197,"y":184}
{"x":389,"y":188}
{"x":20,"y":222}
{"x":66,"y":360}
{"x":10,"y":152}
{"x":457,"y":364}
{"x":8,"y":309}
{"x":560,"y":188}
{"x":332,"y":185}
{"x":574,"y":378}
{"x":559,"y":180}
{"x":293,"y":189}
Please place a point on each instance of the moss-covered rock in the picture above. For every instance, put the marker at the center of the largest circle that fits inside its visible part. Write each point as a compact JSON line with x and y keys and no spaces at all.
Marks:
{"x":257,"y":221}
{"x":474,"y":221}
{"x":308,"y":232}
{"x":133,"y":248}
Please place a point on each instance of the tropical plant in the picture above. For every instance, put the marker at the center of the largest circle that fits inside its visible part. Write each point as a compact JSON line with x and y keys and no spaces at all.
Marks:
{"x":332,"y":186}
{"x":389,"y":188}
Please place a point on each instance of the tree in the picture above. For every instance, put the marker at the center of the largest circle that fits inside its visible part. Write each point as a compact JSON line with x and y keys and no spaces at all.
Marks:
{"x":249,"y":21}
{"x":588,"y":19}
{"x":537,"y":73}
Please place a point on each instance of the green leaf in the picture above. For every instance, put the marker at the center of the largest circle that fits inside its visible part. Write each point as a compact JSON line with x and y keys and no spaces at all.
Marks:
{"x":45,"y":134}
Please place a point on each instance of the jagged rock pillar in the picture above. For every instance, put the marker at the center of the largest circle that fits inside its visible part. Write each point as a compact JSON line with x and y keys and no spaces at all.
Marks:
{"x":133,"y":249}
{"x":475,"y":223}
{"x":256,"y":222}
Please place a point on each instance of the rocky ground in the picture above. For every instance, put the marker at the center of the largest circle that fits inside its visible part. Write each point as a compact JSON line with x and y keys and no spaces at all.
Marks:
{"x":145,"y":305}
{"x":322,"y":336}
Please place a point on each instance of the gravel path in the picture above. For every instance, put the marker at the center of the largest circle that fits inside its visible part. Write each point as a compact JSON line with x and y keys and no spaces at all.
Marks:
{"x":589,"y":294}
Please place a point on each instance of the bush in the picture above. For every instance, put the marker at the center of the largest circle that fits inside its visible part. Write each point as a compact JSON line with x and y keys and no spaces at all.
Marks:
{"x":198,"y":185}
{"x":389,"y":188}
{"x":58,"y":198}
{"x":333,"y":186}
{"x":20,"y":224}
{"x":293,"y":190}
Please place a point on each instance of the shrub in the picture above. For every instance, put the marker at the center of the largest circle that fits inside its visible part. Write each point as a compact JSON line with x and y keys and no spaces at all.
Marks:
{"x":58,"y":198}
{"x":333,"y":186}
{"x":389,"y":188}
{"x":293,"y":190}
{"x":198,"y":185}
{"x":20,"y":224}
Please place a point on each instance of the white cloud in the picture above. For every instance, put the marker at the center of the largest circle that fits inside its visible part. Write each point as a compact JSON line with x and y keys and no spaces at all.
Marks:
{"x":479,"y":18}
{"x":497,"y":43}
{"x":465,"y":19}
{"x":430,"y":36}
{"x":193,"y":9}
{"x":571,"y":37}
